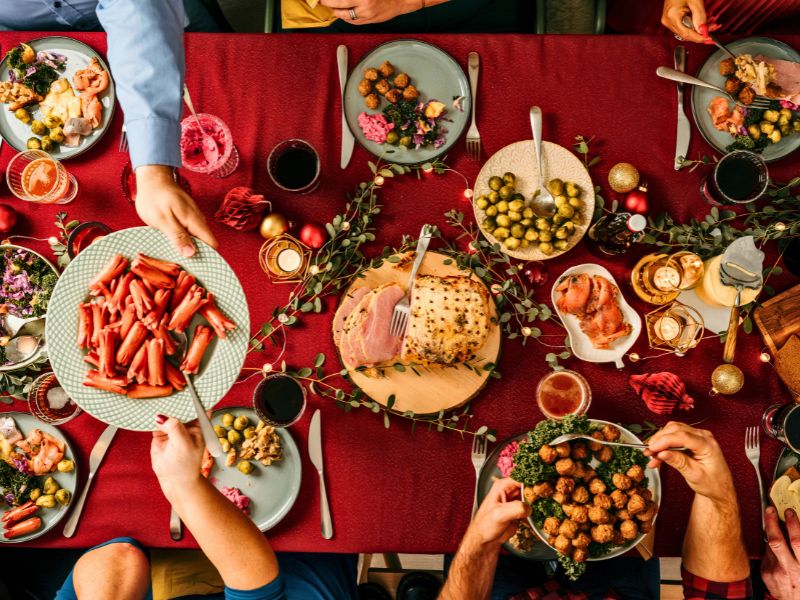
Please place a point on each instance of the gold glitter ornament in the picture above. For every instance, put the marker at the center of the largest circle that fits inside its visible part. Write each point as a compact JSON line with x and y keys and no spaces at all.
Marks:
{"x":623,"y":177}
{"x":726,"y":379}
{"x":273,"y":225}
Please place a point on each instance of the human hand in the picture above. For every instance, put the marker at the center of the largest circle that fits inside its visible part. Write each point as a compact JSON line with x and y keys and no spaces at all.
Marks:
{"x":780,"y":568}
{"x":496,"y":519}
{"x":672,"y":17}
{"x":162,"y":203}
{"x":704,"y":468}
{"x":371,"y":11}
{"x":176,"y":452}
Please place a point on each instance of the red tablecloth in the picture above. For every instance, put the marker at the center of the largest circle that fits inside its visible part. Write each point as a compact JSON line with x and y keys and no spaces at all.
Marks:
{"x":392,"y":490}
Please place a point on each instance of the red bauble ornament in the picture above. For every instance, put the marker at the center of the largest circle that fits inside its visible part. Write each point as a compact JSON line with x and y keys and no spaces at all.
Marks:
{"x":662,"y":392}
{"x":314,"y":235}
{"x":241,"y":209}
{"x":636,"y":200}
{"x":8,"y":218}
{"x":535,"y":273}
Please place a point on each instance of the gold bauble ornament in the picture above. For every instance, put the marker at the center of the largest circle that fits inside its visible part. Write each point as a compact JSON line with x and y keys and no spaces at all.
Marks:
{"x":623,"y":177}
{"x":273,"y":225}
{"x":727,"y":379}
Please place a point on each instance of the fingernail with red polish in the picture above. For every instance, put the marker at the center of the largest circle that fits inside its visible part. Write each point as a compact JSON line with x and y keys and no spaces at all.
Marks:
{"x":161,"y":419}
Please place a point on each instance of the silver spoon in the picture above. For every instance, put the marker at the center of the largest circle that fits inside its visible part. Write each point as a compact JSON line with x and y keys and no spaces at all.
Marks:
{"x":542,"y":203}
{"x":568,"y":437}
{"x":210,"y":147}
{"x":209,"y":435}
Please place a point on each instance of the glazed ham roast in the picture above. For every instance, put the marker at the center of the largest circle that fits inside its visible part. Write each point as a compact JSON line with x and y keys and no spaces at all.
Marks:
{"x":449,"y":322}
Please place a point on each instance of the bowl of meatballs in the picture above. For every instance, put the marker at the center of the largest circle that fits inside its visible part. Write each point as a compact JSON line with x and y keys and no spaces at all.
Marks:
{"x":589,"y":501}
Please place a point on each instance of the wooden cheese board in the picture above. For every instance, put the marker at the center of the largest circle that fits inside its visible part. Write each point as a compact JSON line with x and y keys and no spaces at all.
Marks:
{"x":779,"y":318}
{"x":434,"y":388}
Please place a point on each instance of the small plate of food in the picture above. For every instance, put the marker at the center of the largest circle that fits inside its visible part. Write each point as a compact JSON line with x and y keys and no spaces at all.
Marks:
{"x":261,"y":470}
{"x":115,"y":321}
{"x":38,"y":477}
{"x":602,"y":326}
{"x":764,"y":67}
{"x":590,"y":502}
{"x":59,"y":94}
{"x":407,"y":101}
{"x":505,"y":187}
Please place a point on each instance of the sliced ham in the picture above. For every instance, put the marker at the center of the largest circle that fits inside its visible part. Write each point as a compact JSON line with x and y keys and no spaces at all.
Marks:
{"x":377,"y":343}
{"x":352,"y":354}
{"x":346,"y":307}
{"x":787,"y":77}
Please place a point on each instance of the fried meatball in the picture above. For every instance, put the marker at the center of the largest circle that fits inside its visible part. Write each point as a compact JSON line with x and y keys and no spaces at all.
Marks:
{"x":568,"y":529}
{"x":365,"y":87}
{"x":610,"y":433}
{"x":623,"y":514}
{"x":565,"y":485}
{"x":645,"y":526}
{"x":528,"y":495}
{"x":371,"y":74}
{"x":543,"y":490}
{"x":618,"y":539}
{"x":602,"y":533}
{"x":636,"y":473}
{"x":410,"y":93}
{"x":372,"y":101}
{"x":595,"y":446}
{"x":559,"y":497}
{"x":646,"y":494}
{"x":565,"y":466}
{"x":619,"y":499}
{"x":636,"y":504}
{"x":589,"y":475}
{"x":732,"y":85}
{"x":563,"y":545}
{"x":563,"y":449}
{"x":548,"y":454}
{"x":580,"y":495}
{"x":747,"y":95}
{"x":596,"y":486}
{"x":393,"y":96}
{"x":621,"y":482}
{"x":629,"y":530}
{"x":580,"y":470}
{"x":634,"y":489}
{"x":580,"y":514}
{"x":579,"y":451}
{"x":580,"y":555}
{"x":551,"y":539}
{"x":727,"y":67}
{"x":568,"y":508}
{"x":602,"y":500}
{"x":551,"y":525}
{"x":581,"y":541}
{"x":401,"y":80}
{"x":387,"y":69}
{"x":382,"y":86}
{"x":648,"y":513}
{"x":605,"y":454}
{"x":598,"y":515}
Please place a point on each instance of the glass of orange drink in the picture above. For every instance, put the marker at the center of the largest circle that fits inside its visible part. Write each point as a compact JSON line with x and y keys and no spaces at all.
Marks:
{"x":35,"y":176}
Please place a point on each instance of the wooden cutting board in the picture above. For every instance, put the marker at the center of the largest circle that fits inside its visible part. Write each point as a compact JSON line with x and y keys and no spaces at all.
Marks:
{"x":779,"y":318}
{"x":435,"y":388}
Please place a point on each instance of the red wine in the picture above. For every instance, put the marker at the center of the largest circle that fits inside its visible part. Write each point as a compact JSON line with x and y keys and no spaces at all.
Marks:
{"x":295,"y":168}
{"x":279,"y":400}
{"x":738,"y":178}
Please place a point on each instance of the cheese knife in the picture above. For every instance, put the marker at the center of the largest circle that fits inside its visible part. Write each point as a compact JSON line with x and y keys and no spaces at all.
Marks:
{"x":347,"y":136}
{"x":95,"y":458}
{"x":315,"y":454}
{"x":684,"y":129}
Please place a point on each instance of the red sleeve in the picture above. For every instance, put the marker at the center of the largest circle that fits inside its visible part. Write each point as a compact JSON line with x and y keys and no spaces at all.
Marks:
{"x":697,"y":587}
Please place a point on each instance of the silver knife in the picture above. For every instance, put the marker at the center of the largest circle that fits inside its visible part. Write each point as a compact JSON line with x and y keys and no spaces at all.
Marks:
{"x":684,"y":129}
{"x":347,"y":135}
{"x":315,"y":454}
{"x":95,"y":458}
{"x":175,"y":528}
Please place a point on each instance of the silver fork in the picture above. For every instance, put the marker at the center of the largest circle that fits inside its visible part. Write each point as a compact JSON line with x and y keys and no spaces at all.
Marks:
{"x":479,"y":444}
{"x":123,"y":141}
{"x":403,"y":307}
{"x":473,"y":137}
{"x":760,"y":102}
{"x":752,"y":448}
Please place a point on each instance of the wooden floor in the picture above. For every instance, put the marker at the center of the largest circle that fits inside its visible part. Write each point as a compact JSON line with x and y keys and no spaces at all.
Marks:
{"x":374,"y":568}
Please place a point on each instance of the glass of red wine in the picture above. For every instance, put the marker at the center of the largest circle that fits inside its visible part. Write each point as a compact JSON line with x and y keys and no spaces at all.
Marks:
{"x":782,"y":422}
{"x":279,"y":400}
{"x":294,"y":166}
{"x":739,"y":177}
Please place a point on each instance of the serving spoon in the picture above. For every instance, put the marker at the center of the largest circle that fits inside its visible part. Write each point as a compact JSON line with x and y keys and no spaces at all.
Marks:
{"x":568,"y":437}
{"x":542,"y":202}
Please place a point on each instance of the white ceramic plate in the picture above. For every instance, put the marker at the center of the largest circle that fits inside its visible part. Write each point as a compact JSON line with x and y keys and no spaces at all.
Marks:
{"x":221,"y":364}
{"x":653,"y":484}
{"x":581,"y":345}
{"x":69,"y":481}
{"x":557,"y":162}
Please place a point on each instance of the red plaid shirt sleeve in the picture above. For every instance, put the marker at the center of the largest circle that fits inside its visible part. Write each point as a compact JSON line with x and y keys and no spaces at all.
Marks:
{"x":697,"y":587}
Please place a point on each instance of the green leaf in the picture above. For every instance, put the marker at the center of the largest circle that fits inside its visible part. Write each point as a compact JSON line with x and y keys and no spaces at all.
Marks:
{"x":372,"y":166}
{"x":481,"y":430}
{"x":306,"y":307}
{"x":747,"y":325}
{"x":330,"y":229}
{"x":319,"y":360}
{"x":386,"y":173}
{"x":399,"y":367}
{"x":386,"y":422}
{"x":305,"y":372}
{"x":564,"y":355}
{"x":266,"y":329}
{"x":390,"y":401}
{"x":317,"y":305}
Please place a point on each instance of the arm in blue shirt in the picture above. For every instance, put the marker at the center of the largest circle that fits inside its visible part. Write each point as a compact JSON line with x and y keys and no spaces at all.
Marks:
{"x":145,"y":52}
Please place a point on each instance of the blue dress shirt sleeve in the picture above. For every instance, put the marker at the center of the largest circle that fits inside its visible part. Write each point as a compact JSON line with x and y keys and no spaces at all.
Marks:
{"x":146,"y":57}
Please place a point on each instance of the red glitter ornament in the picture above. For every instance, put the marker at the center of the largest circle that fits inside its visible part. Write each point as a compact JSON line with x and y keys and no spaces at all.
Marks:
{"x":636,"y":200}
{"x":241,"y":209}
{"x":662,"y":392}
{"x":535,"y":273}
{"x":313,"y":235}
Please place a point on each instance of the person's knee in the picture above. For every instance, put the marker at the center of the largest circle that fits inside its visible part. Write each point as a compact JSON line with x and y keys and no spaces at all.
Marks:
{"x":112,"y":560}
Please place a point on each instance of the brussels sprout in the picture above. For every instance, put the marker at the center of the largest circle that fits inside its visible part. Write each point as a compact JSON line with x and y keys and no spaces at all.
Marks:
{"x":545,"y":248}
{"x":785,"y":112}
{"x":518,"y":196}
{"x":558,"y":219}
{"x":249,"y":432}
{"x":515,"y":216}
{"x":488,"y":224}
{"x":482,"y":202}
{"x":556,"y":187}
{"x":527,"y":213}
{"x":775,"y":136}
{"x":569,"y":226}
{"x":766,"y":127}
{"x":577,"y":218}
{"x":502,"y":206}
{"x":35,"y":493}
{"x":491,"y":211}
{"x":34,"y":143}
{"x":23,"y":115}
{"x":566,"y":211}
{"x":754,"y":131}
{"x":46,"y":501}
{"x":783,"y":120}
{"x":785,"y":129}
{"x":405,"y":141}
{"x":495,"y":183}
{"x":57,"y":135}
{"x":63,"y":497}
{"x":524,"y":244}
{"x":545,"y":236}
{"x":511,"y":243}
{"x":531,"y":234}
{"x":234,"y":437}
{"x":227,"y":420}
{"x":516,"y":205}
{"x":392,"y":138}
{"x":517,"y":230}
{"x":561,"y":245}
{"x":494,"y":197}
{"x":772,"y":116}
{"x":503,"y":221}
{"x":560,"y":200}
{"x":576,"y":203}
{"x":509,"y":178}
{"x":796,"y":125}
{"x":226,"y":445}
{"x":50,"y":486}
{"x":245,"y":467}
{"x":501,"y":233}
{"x":542,"y":223}
{"x":220,"y":431}
{"x":38,"y":127}
{"x":65,"y":466}
{"x":51,"y":121}
{"x":573,"y":190}
{"x":506,"y":192}
{"x":47,"y":144}
{"x":562,"y":234}
{"x":526,"y":222}
{"x":241,"y":423}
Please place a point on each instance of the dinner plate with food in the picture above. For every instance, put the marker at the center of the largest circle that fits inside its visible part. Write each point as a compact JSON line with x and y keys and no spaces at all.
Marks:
{"x":452,"y":334}
{"x":261,"y":469}
{"x":38,"y":477}
{"x":407,"y":101}
{"x":602,"y":326}
{"x":589,"y":501}
{"x":125,"y":326}
{"x":59,"y":96}
{"x":763,"y":67}
{"x":507,"y":183}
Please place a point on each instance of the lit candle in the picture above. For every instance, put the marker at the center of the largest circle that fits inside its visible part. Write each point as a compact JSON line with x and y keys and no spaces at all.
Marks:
{"x":289,"y":260}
